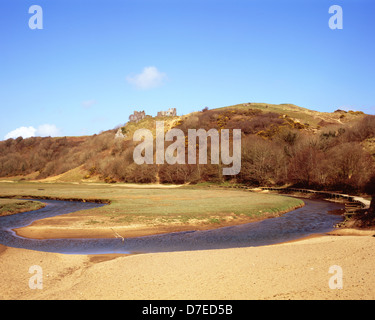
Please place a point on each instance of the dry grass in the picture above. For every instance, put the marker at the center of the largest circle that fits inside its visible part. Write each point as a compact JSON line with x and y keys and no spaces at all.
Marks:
{"x":163,"y":206}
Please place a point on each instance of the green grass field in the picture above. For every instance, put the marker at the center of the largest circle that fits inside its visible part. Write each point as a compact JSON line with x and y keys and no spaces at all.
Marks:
{"x":12,"y":206}
{"x":158,"y":206}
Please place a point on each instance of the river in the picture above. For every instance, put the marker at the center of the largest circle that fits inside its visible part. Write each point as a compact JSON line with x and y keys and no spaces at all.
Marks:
{"x":311,"y":219}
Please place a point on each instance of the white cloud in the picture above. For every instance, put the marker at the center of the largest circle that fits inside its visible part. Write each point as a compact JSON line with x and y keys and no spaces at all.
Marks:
{"x":46,"y":130}
{"x":43,"y":130}
{"x":149,"y":78}
{"x":24,"y":132}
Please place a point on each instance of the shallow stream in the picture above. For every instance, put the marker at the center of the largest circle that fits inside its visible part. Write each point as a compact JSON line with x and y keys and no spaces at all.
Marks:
{"x":311,"y":219}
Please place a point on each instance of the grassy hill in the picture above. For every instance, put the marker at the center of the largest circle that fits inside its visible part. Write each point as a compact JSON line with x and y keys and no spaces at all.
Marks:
{"x":281,"y":144}
{"x":305,"y":116}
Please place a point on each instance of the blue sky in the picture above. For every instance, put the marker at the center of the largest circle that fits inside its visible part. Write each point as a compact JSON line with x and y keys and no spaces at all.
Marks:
{"x":94,"y":62}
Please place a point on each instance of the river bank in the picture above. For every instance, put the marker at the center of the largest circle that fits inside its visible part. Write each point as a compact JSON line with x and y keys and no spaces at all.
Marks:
{"x":295,"y":270}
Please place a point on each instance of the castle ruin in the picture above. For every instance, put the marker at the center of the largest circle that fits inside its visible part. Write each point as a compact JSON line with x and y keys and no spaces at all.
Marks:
{"x":137,"y":116}
{"x":171,"y":112}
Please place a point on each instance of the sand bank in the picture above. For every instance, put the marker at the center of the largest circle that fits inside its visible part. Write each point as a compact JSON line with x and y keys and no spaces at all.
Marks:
{"x":295,"y":270}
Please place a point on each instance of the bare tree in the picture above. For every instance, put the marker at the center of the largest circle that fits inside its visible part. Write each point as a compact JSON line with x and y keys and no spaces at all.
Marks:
{"x":351,"y":165}
{"x":306,"y":166}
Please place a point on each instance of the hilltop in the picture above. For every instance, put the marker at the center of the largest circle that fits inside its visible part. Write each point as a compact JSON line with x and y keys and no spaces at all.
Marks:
{"x":281,"y":144}
{"x":312,"y":118}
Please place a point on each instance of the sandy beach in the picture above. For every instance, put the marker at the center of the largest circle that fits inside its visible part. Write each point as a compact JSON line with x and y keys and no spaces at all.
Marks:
{"x":295,"y":270}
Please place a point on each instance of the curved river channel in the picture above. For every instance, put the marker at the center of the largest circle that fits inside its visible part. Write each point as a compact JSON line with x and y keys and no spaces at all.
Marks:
{"x":310,"y":219}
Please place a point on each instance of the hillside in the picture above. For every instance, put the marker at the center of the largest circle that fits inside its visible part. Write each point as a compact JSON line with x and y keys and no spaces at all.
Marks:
{"x":313,"y":118}
{"x":281,"y":145}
